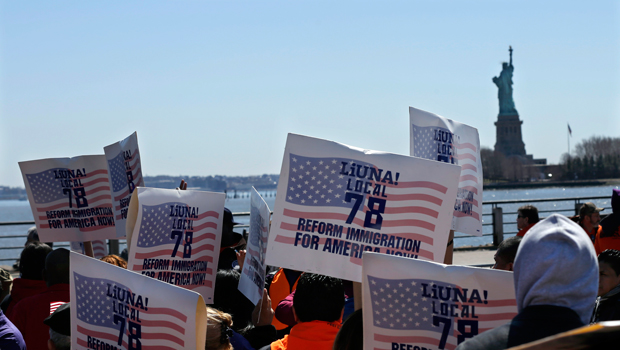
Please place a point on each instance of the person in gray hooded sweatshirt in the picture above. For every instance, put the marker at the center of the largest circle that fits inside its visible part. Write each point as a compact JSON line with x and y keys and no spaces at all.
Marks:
{"x":556,"y":283}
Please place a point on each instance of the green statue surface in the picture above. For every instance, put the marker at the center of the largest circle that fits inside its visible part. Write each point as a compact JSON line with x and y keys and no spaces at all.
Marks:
{"x":504,"y":86}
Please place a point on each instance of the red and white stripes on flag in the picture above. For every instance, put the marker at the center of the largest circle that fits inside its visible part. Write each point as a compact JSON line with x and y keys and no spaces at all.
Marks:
{"x":411,"y":213}
{"x":100,"y":248}
{"x":440,"y":139}
{"x":55,"y":305}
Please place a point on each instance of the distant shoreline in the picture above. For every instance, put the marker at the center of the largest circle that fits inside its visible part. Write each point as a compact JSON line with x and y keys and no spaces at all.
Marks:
{"x":542,"y":184}
{"x":486,"y":186}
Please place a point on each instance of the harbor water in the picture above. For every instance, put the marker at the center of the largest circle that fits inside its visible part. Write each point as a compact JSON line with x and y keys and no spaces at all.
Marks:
{"x":15,"y":210}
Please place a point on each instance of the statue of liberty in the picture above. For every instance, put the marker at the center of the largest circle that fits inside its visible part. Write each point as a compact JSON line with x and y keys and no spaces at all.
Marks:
{"x":504,"y":86}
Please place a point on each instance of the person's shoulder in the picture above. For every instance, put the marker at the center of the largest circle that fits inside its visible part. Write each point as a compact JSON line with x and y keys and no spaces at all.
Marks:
{"x":496,"y":338}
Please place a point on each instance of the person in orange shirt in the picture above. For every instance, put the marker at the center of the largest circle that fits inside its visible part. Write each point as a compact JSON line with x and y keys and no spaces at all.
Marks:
{"x":608,"y":236}
{"x":590,"y":219}
{"x":318,"y":306}
{"x":527,"y":216}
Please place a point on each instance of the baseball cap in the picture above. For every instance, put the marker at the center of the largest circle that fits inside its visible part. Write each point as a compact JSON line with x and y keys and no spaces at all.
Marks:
{"x":588,"y":208}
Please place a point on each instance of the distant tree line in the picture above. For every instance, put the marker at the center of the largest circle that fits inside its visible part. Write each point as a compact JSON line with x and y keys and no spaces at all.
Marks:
{"x":595,"y":158}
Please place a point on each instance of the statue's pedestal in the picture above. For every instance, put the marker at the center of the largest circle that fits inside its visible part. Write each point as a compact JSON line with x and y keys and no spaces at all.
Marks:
{"x":508,"y":135}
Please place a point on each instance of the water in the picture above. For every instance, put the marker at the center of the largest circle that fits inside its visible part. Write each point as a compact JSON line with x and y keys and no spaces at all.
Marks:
{"x":14,"y":210}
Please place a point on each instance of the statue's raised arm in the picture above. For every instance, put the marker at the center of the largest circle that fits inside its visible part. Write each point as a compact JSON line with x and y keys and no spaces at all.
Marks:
{"x":504,"y":86}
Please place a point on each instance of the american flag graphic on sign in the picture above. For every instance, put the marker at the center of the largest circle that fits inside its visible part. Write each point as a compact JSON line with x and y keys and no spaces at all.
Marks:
{"x":319,"y":182}
{"x":100,"y":248}
{"x":318,"y":187}
{"x":123,"y":172}
{"x":45,"y":186}
{"x":51,"y":186}
{"x":162,"y":237}
{"x":432,"y":314}
{"x":125,"y":176}
{"x":440,"y":144}
{"x":55,"y":305}
{"x":59,"y":189}
{"x":111,"y":313}
{"x":435,"y":143}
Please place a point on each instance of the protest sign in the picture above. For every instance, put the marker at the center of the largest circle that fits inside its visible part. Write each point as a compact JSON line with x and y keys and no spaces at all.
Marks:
{"x":70,"y":198}
{"x":437,"y":138}
{"x":100,"y":248}
{"x":335,"y":201}
{"x":112,"y":308}
{"x":252,"y":280}
{"x":176,"y":237}
{"x":419,"y":304}
{"x":125,"y":174}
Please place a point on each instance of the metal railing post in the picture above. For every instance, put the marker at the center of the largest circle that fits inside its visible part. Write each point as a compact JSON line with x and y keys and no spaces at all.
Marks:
{"x":498,"y":226}
{"x":577,"y":207}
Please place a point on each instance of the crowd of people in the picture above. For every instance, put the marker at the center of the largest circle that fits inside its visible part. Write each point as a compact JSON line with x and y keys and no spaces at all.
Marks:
{"x":566,"y":274}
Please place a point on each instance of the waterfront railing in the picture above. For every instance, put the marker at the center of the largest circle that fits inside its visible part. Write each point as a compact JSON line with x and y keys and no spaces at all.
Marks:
{"x":498,"y":221}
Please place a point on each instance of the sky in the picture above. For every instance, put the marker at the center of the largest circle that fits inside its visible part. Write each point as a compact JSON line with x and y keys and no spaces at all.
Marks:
{"x":214,"y":87}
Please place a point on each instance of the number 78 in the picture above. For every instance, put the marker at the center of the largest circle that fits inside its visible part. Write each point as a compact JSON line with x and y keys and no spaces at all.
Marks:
{"x":372,"y":210}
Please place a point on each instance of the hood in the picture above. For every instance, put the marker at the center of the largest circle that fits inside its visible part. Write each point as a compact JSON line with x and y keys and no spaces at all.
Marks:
{"x":556,"y":265}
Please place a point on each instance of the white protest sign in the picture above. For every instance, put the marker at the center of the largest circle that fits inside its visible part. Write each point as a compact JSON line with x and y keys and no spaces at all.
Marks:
{"x":176,"y":238}
{"x":252,"y":281}
{"x":437,"y":138}
{"x":419,"y":304}
{"x":125,"y":174}
{"x":70,"y":198}
{"x":112,"y":308}
{"x":335,"y":201}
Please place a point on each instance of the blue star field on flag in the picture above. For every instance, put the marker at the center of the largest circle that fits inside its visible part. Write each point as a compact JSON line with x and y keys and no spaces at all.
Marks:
{"x":400,"y":304}
{"x":426,"y":146}
{"x":93,"y":305}
{"x":45,"y":187}
{"x":118,"y":172}
{"x":156,"y":225}
{"x":318,"y":182}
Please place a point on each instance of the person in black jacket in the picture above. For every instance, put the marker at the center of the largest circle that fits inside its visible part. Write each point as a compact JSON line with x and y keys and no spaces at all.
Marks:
{"x":555,"y":274}
{"x":608,"y":302}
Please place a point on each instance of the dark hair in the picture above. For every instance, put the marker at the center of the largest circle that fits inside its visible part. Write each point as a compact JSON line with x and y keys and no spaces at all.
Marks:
{"x":508,"y":248}
{"x":114,"y":260}
{"x":530,"y":212}
{"x":32,"y":260}
{"x":611,"y":257}
{"x":57,"y":267}
{"x":318,"y":297}
{"x":351,"y":335}
{"x":227,"y":298}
